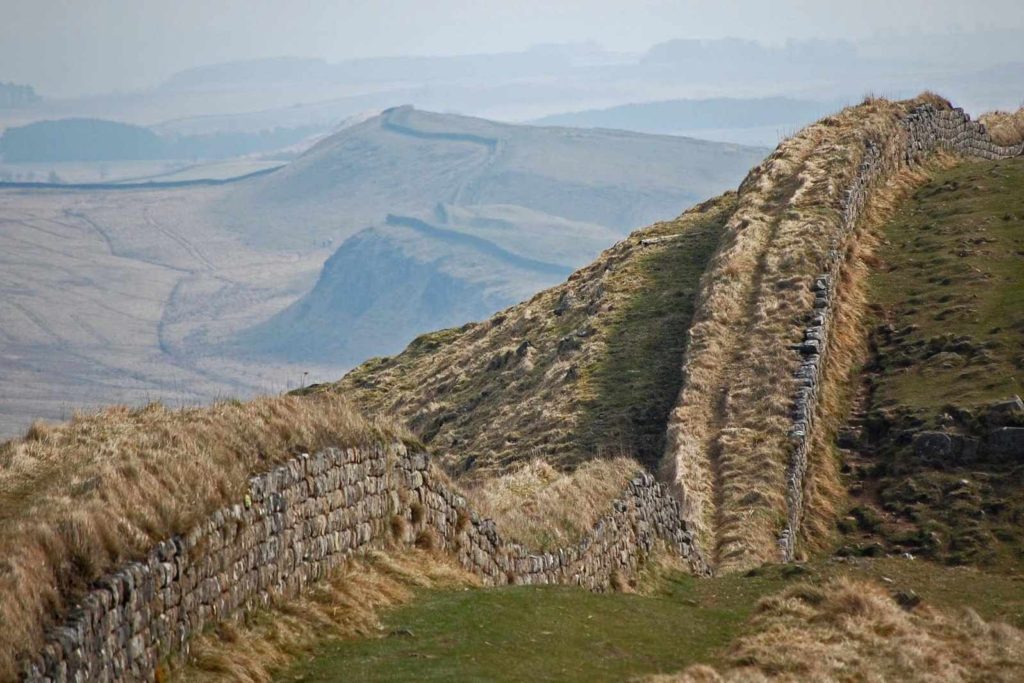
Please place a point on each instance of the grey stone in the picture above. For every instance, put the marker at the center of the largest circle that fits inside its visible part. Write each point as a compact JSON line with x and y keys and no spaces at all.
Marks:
{"x":1007,"y":442}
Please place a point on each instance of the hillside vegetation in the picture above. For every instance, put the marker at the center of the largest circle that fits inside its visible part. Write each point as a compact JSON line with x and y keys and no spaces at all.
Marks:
{"x":82,"y":498}
{"x":587,"y":369}
{"x":675,"y":352}
{"x":947,"y":357}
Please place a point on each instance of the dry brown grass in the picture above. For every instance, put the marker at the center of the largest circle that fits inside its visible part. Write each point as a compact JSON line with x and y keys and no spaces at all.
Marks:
{"x":1005,"y":128}
{"x":524,"y":384}
{"x":80,"y":498}
{"x":542,"y":508}
{"x":847,"y":350}
{"x":345,"y":605}
{"x":856,"y":631}
{"x":728,"y":447}
{"x":728,"y":442}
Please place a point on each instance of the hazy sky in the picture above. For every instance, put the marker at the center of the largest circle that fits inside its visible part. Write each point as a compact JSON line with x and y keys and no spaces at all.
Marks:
{"x":66,"y":47}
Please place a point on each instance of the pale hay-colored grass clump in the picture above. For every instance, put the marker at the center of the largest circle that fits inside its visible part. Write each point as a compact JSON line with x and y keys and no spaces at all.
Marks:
{"x":543,"y":508}
{"x":81,"y":498}
{"x":347,"y":604}
{"x":728,"y":446}
{"x":856,"y":631}
{"x":1005,"y":128}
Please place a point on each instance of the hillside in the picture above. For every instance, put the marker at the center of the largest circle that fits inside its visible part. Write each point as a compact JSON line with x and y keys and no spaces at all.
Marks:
{"x":190,"y":294}
{"x":778,"y":429}
{"x":933,"y":465}
{"x":387,"y":284}
{"x":584,"y":369}
{"x":466,"y":217}
{"x":406,"y":161}
{"x":747,"y":426}
{"x":759,"y":121}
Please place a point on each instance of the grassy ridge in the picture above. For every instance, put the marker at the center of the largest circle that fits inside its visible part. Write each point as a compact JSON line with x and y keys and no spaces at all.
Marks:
{"x":585,"y":369}
{"x":632,"y":386}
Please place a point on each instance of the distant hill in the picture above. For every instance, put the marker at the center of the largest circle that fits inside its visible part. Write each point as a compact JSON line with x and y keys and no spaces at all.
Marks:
{"x":406,"y":161}
{"x":79,"y":139}
{"x":693,"y":115}
{"x":187,"y":294}
{"x":13,"y":95}
{"x":390,"y":282}
{"x":466,"y":216}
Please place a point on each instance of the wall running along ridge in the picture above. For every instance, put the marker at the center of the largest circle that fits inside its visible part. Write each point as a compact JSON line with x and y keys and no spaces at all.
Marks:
{"x":921,"y":132}
{"x":305,"y":518}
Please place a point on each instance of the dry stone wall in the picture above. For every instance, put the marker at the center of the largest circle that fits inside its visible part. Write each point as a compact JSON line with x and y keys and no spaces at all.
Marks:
{"x":923,"y":131}
{"x":305,"y":518}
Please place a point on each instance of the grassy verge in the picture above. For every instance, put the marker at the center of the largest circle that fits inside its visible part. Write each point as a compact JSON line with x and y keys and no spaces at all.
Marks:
{"x":566,"y":634}
{"x":346,"y":604}
{"x":542,"y":633}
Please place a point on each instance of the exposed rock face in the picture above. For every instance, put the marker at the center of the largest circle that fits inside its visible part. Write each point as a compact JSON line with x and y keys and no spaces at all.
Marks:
{"x":943,"y":448}
{"x":304,"y":519}
{"x":375,"y":294}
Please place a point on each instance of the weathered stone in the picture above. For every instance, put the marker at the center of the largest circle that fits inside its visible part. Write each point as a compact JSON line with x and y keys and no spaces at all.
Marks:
{"x":1007,"y":442}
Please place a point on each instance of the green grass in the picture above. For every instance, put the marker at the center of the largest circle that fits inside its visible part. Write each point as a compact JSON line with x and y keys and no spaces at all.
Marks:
{"x":953,"y":290}
{"x":949,"y":340}
{"x":635,"y":383}
{"x":543,"y":633}
{"x":565,"y":634}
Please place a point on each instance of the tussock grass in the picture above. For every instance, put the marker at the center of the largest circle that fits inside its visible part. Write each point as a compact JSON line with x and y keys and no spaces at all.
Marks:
{"x":587,"y":369}
{"x":1005,"y":128}
{"x":80,"y":498}
{"x":849,"y":630}
{"x":347,"y":604}
{"x":542,"y":508}
{"x":728,"y":445}
{"x":847,"y":351}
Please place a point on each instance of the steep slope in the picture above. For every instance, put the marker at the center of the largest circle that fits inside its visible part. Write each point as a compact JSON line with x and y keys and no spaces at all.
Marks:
{"x":406,"y":161}
{"x":773,"y":331}
{"x":387,"y":284}
{"x":586,"y":369}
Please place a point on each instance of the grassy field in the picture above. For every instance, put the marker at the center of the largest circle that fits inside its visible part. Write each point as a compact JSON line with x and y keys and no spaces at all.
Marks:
{"x":952,"y":290}
{"x":948,"y":341}
{"x":566,"y":634}
{"x":543,"y":633}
